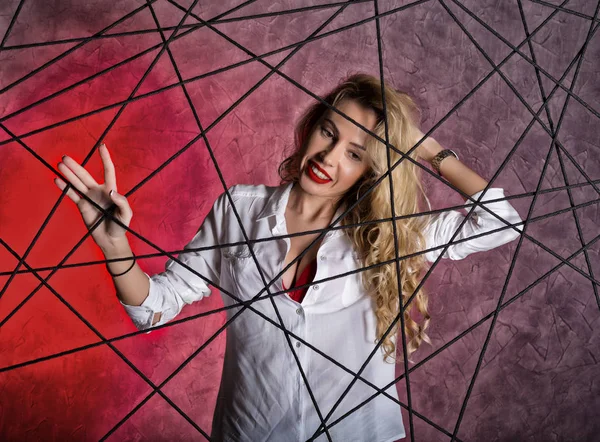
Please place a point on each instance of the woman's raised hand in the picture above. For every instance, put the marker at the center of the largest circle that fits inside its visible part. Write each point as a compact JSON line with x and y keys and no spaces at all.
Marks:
{"x":108,"y":234}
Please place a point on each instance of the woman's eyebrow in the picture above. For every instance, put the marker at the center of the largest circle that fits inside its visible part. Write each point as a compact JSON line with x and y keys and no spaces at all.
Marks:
{"x":337,"y":132}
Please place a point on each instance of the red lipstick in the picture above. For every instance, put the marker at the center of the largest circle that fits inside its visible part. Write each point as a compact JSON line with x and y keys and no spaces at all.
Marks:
{"x":313,"y":176}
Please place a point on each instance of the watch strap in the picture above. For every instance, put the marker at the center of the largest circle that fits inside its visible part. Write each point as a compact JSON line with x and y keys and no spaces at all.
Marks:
{"x":437,"y":160}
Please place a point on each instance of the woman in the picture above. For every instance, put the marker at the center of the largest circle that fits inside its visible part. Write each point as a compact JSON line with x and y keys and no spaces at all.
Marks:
{"x":276,"y":385}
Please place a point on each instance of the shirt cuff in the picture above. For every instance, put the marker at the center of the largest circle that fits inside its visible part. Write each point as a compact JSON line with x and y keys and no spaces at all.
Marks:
{"x":502,"y":208}
{"x":491,"y":194}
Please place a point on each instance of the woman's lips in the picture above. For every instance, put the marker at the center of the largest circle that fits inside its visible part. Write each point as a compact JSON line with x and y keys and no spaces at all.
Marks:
{"x":314,"y":175}
{"x":320,"y":169}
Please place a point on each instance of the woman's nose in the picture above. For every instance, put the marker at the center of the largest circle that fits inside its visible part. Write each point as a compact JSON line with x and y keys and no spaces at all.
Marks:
{"x":330,"y":156}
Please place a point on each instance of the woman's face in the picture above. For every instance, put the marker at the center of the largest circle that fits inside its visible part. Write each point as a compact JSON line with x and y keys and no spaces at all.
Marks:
{"x":335,"y":156}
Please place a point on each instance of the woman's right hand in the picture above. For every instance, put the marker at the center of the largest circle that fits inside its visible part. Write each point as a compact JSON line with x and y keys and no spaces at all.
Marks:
{"x":108,"y":235}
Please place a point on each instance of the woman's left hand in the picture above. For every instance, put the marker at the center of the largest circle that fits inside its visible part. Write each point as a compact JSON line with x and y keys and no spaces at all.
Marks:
{"x":429,"y":148}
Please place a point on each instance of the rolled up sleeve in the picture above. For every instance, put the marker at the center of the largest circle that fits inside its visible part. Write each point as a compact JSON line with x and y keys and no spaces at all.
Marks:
{"x":443,"y":225}
{"x":177,"y":286}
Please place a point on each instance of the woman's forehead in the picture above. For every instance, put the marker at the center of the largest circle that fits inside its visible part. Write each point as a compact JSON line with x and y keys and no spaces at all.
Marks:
{"x":362,"y":116}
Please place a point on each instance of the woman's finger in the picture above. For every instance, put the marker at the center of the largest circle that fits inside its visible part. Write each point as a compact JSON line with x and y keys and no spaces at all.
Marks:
{"x":122,"y":204}
{"x":73,"y":179}
{"x":110,"y":178}
{"x":70,"y":193}
{"x":83,"y":175}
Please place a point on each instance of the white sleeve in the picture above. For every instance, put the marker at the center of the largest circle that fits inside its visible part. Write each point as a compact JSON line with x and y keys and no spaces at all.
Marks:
{"x":444,"y":224}
{"x":177,"y":286}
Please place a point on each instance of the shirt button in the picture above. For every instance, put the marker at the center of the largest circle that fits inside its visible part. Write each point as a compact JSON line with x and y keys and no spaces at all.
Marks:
{"x":316,"y":287}
{"x":323,"y":258}
{"x":298,"y":344}
{"x":299,"y":311}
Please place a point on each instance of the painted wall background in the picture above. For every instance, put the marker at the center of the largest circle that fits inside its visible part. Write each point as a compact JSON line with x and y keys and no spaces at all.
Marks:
{"x":538,"y":380}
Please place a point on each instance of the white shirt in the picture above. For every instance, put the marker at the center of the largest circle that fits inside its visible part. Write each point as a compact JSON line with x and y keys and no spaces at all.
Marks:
{"x":262,"y":396}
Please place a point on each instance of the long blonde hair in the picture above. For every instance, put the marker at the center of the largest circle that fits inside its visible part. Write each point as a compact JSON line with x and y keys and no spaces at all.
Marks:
{"x":374,"y":242}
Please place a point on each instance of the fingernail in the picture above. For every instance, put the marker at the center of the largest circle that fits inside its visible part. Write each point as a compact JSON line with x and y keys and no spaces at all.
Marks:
{"x":63,"y":157}
{"x":111,"y":192}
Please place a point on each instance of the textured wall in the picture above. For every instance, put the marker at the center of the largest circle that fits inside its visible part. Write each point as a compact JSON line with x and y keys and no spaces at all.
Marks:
{"x":538,"y":379}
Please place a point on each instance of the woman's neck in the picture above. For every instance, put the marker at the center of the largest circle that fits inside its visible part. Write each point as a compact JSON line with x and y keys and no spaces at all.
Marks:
{"x":309,"y":208}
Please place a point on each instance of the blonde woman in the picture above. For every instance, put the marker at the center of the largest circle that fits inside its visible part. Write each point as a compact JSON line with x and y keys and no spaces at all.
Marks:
{"x":279,"y":385}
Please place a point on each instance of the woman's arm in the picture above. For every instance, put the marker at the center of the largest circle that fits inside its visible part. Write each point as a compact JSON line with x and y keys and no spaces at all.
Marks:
{"x":170,"y":290}
{"x":443,"y":225}
{"x":455,"y":171}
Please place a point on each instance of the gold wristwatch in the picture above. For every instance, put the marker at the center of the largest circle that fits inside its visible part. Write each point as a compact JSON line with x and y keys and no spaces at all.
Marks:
{"x":435,"y":163}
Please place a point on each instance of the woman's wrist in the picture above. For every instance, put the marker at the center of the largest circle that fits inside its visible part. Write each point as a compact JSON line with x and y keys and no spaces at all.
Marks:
{"x":117,"y":269}
{"x":431,"y":149}
{"x":441,"y":158}
{"x":117,"y":249}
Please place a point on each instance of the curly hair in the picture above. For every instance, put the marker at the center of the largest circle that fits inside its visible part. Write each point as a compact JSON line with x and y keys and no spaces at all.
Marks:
{"x":374,"y":242}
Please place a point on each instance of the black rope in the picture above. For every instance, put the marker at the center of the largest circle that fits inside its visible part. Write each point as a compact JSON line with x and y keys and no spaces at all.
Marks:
{"x":44,"y":281}
{"x":560,"y":156}
{"x":531,"y":207}
{"x":565,"y":10}
{"x":467,"y":215}
{"x":193,"y":27}
{"x":468,"y":330}
{"x":242,"y":303}
{"x":464,"y":220}
{"x":68,"y":51}
{"x":567,"y":152}
{"x":13,"y":20}
{"x":108,"y":211}
{"x":240,"y":223}
{"x":248,"y":304}
{"x":396,"y":252}
{"x":427,"y":170}
{"x":578,"y":57}
{"x":339,"y":227}
{"x":170,"y":28}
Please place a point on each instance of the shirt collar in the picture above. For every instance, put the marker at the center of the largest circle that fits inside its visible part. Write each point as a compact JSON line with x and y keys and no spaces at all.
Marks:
{"x":277,"y":203}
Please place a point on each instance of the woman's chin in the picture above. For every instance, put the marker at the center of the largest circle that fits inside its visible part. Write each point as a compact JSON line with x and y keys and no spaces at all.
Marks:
{"x":315,"y":189}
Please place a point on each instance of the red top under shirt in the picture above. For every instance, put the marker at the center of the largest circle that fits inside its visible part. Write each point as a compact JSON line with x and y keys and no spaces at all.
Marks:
{"x":306,"y":277}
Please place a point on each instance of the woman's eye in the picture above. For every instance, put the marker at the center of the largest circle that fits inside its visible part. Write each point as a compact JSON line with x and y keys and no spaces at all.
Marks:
{"x":326,"y":132}
{"x":355,"y":156}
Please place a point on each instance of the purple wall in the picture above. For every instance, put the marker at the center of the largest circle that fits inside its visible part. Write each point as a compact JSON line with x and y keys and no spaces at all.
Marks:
{"x":538,"y":380}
